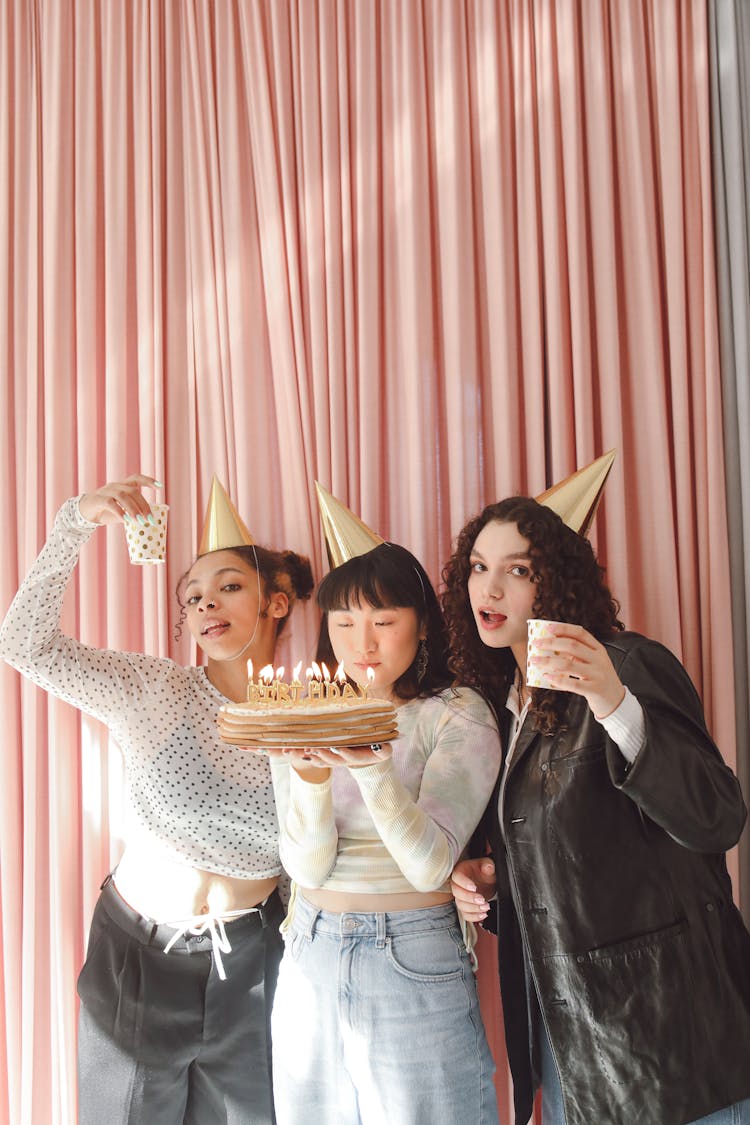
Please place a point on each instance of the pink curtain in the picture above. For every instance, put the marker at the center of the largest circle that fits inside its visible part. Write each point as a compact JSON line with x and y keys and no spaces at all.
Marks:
{"x":431,"y":253}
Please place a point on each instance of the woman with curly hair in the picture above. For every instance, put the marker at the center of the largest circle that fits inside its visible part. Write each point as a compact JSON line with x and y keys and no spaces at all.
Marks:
{"x":624,"y":964}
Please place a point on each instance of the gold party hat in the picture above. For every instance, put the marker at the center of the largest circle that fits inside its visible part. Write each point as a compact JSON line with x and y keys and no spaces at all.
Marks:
{"x":576,"y":498}
{"x":346,"y":535}
{"x":223,"y":527}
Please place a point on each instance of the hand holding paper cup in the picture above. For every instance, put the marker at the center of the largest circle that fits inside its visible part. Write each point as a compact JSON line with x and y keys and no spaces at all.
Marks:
{"x":147,"y":543}
{"x":535,"y":676}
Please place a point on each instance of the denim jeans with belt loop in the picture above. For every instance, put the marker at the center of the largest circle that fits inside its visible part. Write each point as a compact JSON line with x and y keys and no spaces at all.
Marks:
{"x":376,"y":1020}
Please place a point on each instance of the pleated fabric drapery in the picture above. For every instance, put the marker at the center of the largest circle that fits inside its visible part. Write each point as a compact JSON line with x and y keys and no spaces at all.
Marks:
{"x":729,"y":27}
{"x":428,"y":253}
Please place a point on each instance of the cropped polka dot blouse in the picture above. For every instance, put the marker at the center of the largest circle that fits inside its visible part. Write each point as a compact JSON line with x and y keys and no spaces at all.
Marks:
{"x":207,"y":803}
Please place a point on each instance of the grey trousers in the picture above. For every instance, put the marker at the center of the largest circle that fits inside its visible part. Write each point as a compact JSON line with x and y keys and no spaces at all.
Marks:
{"x":162,"y":1040}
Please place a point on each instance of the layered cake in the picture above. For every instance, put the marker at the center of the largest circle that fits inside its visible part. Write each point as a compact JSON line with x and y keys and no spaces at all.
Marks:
{"x":308,"y":723}
{"x":329,"y":714}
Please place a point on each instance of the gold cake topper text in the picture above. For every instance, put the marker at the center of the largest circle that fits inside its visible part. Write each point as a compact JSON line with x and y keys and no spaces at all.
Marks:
{"x":271,"y":688}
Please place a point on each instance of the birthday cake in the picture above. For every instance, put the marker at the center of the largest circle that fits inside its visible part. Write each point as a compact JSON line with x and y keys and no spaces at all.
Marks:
{"x":330,"y":714}
{"x":332,"y":723}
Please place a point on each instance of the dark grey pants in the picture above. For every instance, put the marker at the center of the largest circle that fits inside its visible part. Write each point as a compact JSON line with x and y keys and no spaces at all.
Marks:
{"x":162,"y":1040}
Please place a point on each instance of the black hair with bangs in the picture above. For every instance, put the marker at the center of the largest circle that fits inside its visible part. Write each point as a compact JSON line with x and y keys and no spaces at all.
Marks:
{"x":390,"y":577}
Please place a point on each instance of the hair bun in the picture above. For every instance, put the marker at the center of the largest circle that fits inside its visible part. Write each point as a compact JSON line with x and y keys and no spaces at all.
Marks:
{"x":300,"y":574}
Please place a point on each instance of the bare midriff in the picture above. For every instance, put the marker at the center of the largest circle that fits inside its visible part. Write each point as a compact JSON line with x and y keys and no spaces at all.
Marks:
{"x":344,"y":902}
{"x":159,"y":888}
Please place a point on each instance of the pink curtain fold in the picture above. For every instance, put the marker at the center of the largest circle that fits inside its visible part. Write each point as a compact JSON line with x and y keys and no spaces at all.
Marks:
{"x":428,"y":253}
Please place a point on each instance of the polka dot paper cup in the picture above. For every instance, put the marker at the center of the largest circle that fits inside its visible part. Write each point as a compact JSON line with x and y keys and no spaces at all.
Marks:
{"x":535,"y":677}
{"x":146,"y":543}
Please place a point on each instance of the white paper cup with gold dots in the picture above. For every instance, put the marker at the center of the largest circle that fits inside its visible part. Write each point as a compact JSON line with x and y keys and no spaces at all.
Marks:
{"x":535,"y":677}
{"x":146,"y":543}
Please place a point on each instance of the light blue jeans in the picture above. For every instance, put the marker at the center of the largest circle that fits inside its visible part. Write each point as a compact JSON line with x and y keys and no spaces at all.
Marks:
{"x":376,"y":1020}
{"x":552,"y":1104}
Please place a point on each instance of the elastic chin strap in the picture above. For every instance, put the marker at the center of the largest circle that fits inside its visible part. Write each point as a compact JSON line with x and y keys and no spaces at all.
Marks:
{"x":237,"y":655}
{"x":261,"y":613}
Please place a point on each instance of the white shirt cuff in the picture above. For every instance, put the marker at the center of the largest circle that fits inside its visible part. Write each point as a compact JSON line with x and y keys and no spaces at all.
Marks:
{"x":626,"y":727}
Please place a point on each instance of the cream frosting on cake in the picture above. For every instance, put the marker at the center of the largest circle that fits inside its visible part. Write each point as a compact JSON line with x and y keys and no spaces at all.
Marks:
{"x":305,"y":722}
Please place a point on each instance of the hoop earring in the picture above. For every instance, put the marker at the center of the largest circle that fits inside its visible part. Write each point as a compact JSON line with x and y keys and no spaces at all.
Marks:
{"x":423,"y":659}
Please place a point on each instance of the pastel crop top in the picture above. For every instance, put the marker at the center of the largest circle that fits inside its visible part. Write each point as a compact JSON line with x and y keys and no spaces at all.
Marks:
{"x":400,"y":824}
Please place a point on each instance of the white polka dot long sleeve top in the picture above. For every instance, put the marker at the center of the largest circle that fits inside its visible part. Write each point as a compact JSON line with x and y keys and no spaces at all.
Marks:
{"x":207,"y":804}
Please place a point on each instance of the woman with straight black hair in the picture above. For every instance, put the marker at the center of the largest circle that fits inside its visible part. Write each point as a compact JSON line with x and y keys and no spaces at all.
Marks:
{"x":376,"y":1015}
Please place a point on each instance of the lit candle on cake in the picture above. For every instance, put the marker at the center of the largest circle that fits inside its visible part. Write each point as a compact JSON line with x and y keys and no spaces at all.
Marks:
{"x":295,"y":688}
{"x":332,"y":689}
{"x":315,"y":685}
{"x":347,"y":691}
{"x":270,"y":687}
{"x":265,"y":680}
{"x":280,"y":688}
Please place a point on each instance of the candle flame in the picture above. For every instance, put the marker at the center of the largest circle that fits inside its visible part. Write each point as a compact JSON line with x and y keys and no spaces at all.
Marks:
{"x":316,"y":670}
{"x":326,"y":673}
{"x":370,"y":674}
{"x":309,"y":673}
{"x":279,"y":673}
{"x":340,"y":674}
{"x":297,"y":670}
{"x":249,"y":669}
{"x":266,"y":673}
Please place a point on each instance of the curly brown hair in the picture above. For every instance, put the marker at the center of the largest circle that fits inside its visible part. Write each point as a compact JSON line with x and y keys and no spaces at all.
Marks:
{"x":570,"y":586}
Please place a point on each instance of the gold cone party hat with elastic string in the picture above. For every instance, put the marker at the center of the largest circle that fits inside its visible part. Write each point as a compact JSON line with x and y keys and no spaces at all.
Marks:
{"x":223,"y":527}
{"x":576,"y":498}
{"x":346,"y":535}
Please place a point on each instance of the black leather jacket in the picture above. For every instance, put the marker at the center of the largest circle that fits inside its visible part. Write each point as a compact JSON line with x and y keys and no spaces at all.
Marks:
{"x":613,"y":879}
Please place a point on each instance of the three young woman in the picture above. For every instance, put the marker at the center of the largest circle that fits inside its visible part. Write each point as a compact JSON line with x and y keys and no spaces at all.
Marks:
{"x":376,"y":1015}
{"x":625,"y":967}
{"x":624,"y":964}
{"x":165,"y":1038}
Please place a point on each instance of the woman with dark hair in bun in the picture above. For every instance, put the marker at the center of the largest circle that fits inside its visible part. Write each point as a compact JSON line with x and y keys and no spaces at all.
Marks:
{"x":181,"y":1038}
